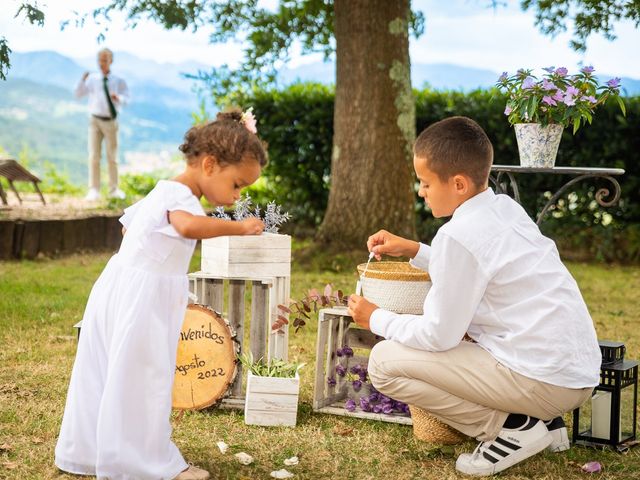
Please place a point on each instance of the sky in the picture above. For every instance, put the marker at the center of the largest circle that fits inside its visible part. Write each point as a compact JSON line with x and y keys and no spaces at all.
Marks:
{"x":461,"y":32}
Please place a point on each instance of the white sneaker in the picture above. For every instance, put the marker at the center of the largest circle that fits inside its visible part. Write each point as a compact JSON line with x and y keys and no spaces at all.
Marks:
{"x":92,"y":195}
{"x":117,"y":193}
{"x":558,"y":431}
{"x":511,"y":446}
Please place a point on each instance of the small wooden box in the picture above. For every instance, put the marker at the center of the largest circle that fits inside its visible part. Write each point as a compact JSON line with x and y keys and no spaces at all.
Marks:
{"x":267,"y":255}
{"x":335,"y":330}
{"x":271,"y":401}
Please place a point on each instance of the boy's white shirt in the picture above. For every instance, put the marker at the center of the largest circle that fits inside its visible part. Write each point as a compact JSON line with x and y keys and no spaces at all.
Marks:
{"x":497,"y":278}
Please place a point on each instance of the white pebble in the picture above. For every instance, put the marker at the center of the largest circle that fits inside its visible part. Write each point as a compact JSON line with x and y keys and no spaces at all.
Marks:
{"x":291,"y":461}
{"x":281,"y":474}
{"x":244,"y":458}
{"x":223,"y":447}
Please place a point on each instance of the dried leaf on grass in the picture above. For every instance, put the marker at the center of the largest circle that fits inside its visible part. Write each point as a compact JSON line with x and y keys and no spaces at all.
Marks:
{"x":244,"y":458}
{"x":222,"y":446}
{"x":289,"y":462}
{"x":342,"y":430}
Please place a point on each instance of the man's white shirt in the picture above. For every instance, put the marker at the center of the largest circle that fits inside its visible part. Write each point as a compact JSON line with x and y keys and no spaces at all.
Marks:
{"x":93,"y":87}
{"x":497,"y":278}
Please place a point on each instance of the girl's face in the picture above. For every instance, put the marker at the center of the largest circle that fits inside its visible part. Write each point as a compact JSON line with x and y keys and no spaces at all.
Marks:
{"x":221,"y":185}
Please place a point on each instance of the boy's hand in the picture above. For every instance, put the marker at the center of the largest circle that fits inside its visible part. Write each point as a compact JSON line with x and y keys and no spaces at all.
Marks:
{"x":360,"y":310}
{"x":251,"y":226}
{"x":386,"y":243}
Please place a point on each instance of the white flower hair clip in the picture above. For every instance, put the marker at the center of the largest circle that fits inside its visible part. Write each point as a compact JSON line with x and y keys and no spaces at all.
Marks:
{"x":249,"y":120}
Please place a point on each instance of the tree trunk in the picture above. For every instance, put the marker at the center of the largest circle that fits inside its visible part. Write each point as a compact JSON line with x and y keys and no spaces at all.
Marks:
{"x":374,"y":125}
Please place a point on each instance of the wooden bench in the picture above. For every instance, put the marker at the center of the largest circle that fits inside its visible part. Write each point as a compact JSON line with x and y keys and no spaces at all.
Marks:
{"x":14,"y":172}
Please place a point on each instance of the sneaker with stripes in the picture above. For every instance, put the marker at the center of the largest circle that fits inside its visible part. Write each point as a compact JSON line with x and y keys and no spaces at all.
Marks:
{"x":511,"y":446}
{"x":558,"y":431}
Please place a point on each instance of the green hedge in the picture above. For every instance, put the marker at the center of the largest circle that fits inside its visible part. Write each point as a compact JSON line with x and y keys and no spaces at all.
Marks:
{"x":297,"y":122}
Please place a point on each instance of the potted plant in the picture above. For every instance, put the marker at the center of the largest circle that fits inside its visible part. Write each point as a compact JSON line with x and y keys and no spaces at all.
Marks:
{"x":272,"y":391}
{"x":540,"y":109}
{"x":267,"y":255}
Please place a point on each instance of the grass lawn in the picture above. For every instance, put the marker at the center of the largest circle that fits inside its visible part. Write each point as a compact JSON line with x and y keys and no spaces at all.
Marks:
{"x":41,"y":300}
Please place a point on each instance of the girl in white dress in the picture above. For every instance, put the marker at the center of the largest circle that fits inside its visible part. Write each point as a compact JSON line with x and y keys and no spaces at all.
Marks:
{"x":116,"y":422}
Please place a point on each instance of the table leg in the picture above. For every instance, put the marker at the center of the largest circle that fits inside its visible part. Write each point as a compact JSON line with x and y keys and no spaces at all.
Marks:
{"x":35,"y":185}
{"x":3,"y":195}
{"x":12,"y":186}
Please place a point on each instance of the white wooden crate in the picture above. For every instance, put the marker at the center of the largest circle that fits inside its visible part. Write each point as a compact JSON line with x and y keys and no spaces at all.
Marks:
{"x":271,"y":401}
{"x":335,"y":330}
{"x":266,"y":255}
{"x":266,"y":294}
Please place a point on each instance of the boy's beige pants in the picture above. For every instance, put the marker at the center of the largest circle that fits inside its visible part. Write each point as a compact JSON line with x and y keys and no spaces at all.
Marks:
{"x":99,"y":130}
{"x":466,"y":387}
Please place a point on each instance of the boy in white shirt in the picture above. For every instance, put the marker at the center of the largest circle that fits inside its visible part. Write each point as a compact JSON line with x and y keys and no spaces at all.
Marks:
{"x":534,"y":354}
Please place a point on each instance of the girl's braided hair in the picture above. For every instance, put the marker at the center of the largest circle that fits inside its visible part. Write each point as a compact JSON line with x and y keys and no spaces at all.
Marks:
{"x":226,"y":139}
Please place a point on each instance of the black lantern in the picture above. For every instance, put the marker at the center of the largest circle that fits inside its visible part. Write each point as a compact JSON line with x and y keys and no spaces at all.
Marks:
{"x":609,"y":417}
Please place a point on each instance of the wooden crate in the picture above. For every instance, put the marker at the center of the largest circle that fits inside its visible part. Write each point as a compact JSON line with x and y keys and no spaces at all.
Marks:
{"x":266,"y":255}
{"x":266,"y":294}
{"x":335,"y":330}
{"x":271,"y":401}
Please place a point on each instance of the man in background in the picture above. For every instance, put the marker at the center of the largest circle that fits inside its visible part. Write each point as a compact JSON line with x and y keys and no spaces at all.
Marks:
{"x":107,"y":93}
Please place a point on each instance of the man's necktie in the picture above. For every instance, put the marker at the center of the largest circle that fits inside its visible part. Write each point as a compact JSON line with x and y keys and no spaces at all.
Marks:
{"x":112,"y":108}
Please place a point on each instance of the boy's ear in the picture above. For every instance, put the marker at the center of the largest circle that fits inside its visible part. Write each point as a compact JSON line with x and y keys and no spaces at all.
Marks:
{"x":462,"y":184}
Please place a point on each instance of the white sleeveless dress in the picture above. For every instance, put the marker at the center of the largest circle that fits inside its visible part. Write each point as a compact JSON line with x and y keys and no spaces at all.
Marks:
{"x":116,"y":421}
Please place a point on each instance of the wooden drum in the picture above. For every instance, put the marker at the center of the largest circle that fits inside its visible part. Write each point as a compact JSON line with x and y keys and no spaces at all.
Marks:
{"x":206,"y":359}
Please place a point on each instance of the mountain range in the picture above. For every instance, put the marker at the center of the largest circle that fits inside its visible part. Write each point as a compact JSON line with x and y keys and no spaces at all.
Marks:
{"x":40,"y":116}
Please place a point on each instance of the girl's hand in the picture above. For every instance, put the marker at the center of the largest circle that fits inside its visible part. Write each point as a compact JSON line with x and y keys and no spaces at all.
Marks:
{"x":360,"y":310}
{"x":251,"y":226}
{"x":383,"y":242}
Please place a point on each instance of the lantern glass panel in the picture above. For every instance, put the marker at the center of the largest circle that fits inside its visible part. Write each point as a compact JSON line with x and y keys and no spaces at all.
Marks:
{"x":601,"y":405}
{"x":585,"y":420}
{"x":626,"y":412}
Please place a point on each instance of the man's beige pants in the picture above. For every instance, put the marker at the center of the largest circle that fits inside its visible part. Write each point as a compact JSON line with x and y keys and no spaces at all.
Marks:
{"x":99,"y":130}
{"x":466,"y":387}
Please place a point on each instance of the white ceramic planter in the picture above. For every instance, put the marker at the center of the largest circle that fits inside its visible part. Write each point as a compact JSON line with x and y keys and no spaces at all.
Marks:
{"x":267,"y":255}
{"x":537,"y":145}
{"x":271,"y":401}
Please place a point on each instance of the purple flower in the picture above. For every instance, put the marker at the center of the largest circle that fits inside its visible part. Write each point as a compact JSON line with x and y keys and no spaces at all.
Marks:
{"x":347,"y":351}
{"x":573,"y":91}
{"x":374,"y":397}
{"x":339,"y":352}
{"x":363,"y":375}
{"x":355,"y":369}
{"x":614,"y":82}
{"x":357,"y":385}
{"x":547,"y":85}
{"x":331,"y":381}
{"x":341,"y":370}
{"x":387,"y":409}
{"x":588,"y":69}
{"x":350,"y":405}
{"x":590,"y":99}
{"x":365,"y":405}
{"x":569,"y":101}
{"x":562,"y":72}
{"x":528,"y":83}
{"x":503,"y":77}
{"x":549,"y":69}
{"x":558,"y":96}
{"x":508,"y":110}
{"x":549,"y":100}
{"x":377,"y":408}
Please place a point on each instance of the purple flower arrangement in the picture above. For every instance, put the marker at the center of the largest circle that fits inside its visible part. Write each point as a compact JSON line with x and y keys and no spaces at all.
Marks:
{"x":557,"y":97}
{"x":361,"y":393}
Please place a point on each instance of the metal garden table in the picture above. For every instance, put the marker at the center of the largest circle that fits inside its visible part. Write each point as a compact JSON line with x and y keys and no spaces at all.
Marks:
{"x":603,"y":196}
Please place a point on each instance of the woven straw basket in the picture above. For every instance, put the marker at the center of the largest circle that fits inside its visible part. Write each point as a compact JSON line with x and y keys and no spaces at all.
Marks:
{"x":428,"y":428}
{"x":395,"y":286}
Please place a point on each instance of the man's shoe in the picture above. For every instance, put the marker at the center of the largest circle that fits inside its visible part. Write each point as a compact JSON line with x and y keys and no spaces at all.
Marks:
{"x":193,"y":473}
{"x":117,"y":193}
{"x":511,"y":446}
{"x":558,"y":431}
{"x":92,"y":195}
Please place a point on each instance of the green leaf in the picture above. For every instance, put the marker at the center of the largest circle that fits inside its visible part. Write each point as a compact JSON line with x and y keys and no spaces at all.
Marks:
{"x":622,"y":107}
{"x":576,"y":125}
